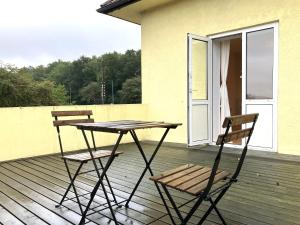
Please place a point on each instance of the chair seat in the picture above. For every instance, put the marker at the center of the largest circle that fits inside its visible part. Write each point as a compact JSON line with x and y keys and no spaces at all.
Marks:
{"x":83,"y":157}
{"x":189,"y":178}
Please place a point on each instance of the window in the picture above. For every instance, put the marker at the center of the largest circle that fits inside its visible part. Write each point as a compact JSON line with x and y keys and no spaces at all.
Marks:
{"x":199,"y":70}
{"x":260,"y":61}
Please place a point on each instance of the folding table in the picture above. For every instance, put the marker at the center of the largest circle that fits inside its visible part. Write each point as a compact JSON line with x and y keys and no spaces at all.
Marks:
{"x":122,"y":127}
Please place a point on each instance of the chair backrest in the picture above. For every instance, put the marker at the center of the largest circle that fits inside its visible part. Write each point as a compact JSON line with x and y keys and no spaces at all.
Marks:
{"x":64,"y":122}
{"x":70,"y":117}
{"x":229,"y":122}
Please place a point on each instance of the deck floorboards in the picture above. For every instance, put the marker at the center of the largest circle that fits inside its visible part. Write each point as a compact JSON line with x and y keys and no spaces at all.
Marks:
{"x":268,"y":191}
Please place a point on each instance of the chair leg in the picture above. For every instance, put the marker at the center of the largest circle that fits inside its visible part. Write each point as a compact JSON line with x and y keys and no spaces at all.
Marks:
{"x":108,"y":183}
{"x":185,"y":220}
{"x":213,"y":206}
{"x":72,"y":180}
{"x":166,"y":205}
{"x":217,"y":211}
{"x":193,"y":210}
{"x":173,"y":203}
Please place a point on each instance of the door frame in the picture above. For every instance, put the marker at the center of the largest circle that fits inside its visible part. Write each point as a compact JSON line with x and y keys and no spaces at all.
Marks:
{"x":274,"y":101}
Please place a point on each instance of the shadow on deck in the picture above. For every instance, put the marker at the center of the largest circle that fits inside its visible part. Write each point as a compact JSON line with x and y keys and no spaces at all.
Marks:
{"x":268,"y":191}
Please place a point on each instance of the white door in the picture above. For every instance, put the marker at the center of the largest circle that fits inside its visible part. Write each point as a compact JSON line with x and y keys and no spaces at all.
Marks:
{"x":260,"y":83}
{"x":199,"y":90}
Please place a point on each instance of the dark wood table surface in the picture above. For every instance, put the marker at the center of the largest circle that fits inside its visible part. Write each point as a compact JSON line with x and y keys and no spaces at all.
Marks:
{"x":124,"y":125}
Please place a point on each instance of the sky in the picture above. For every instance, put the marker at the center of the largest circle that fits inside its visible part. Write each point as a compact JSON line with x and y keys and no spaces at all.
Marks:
{"x":38,"y":32}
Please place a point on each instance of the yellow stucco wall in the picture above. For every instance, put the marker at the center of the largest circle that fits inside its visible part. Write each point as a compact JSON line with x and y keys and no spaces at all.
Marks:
{"x":28,"y":131}
{"x":164,"y":56}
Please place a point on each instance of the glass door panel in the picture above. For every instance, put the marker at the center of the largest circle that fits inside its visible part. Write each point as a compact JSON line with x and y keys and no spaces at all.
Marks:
{"x":199,"y":69}
{"x":260,"y":62}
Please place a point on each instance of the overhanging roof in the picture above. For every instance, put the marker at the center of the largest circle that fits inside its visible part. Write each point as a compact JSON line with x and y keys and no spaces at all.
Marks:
{"x":129,"y":10}
{"x":112,"y":5}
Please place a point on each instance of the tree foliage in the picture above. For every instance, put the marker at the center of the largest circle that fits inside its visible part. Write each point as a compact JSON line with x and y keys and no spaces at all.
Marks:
{"x":131,"y":90}
{"x":110,"y":78}
{"x":91,"y":93}
{"x":18,"y":88}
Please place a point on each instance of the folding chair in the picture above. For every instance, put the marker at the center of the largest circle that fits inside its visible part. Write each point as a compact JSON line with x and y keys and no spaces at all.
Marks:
{"x":81,"y":158}
{"x":204,"y":182}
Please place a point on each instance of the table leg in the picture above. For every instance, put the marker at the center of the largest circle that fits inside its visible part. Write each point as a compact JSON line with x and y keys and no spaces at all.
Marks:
{"x":100,"y":180}
{"x":101,"y":165}
{"x":148,"y":163}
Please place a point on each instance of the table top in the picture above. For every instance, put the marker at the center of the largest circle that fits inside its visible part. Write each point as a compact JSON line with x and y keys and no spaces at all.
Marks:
{"x":124,"y":125}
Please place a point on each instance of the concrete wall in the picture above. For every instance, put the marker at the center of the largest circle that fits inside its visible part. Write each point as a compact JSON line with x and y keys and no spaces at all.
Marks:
{"x":28,"y":131}
{"x":164,"y":56}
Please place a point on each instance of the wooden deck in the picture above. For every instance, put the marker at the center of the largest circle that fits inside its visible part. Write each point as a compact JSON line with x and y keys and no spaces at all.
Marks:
{"x":268,"y":191}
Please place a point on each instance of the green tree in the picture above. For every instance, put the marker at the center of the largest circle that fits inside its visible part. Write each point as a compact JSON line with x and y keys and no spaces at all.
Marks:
{"x":81,"y":81}
{"x":117,"y":68}
{"x":131,"y":91}
{"x":91,"y":94}
{"x":47,"y":93}
{"x":17,"y":88}
{"x":59,"y":95}
{"x":59,"y":72}
{"x":80,"y":77}
{"x":38,"y":73}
